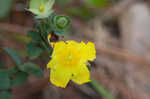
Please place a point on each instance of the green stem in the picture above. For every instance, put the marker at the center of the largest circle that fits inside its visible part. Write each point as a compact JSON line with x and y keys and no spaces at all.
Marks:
{"x":101,"y":90}
{"x":47,"y":50}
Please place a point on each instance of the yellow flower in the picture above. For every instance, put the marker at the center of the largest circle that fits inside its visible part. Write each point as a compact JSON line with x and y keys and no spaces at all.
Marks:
{"x":69,"y":62}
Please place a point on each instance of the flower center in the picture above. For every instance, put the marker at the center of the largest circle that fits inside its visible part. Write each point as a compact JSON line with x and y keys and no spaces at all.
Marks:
{"x":70,"y":57}
{"x":41,"y":9}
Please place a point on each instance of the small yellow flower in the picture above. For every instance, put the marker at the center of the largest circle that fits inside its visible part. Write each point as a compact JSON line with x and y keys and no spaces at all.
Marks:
{"x":41,"y":8}
{"x":69,"y":62}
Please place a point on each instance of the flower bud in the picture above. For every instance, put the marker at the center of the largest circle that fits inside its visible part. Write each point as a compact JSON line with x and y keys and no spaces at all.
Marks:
{"x":62,"y":22}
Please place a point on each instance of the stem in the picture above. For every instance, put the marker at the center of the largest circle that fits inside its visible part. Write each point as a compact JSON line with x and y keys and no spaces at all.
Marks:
{"x":101,"y":90}
{"x":44,"y":40}
{"x":47,"y":50}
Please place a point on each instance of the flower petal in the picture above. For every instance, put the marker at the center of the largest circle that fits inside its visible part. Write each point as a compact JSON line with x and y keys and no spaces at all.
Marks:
{"x":51,"y":64}
{"x":58,"y":48}
{"x":60,"y":76}
{"x":82,"y":75}
{"x":49,"y":5}
{"x":91,"y":51}
{"x":35,"y":4}
{"x":35,"y":11}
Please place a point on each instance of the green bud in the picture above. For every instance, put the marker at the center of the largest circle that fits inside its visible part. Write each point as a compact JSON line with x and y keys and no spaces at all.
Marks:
{"x":62,"y":22}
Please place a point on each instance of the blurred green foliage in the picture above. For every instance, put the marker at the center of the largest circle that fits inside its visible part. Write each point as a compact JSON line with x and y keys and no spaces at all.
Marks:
{"x":101,"y":90}
{"x":14,"y":55}
{"x":20,"y":78}
{"x":81,"y":12}
{"x":27,"y":67}
{"x":5,"y":95}
{"x":32,"y":68}
{"x":33,"y":50}
{"x":21,"y":38}
{"x":5,"y":7}
{"x":97,"y":3}
{"x":62,"y":2}
{"x":34,"y":35}
{"x":12,"y":71}
{"x":16,"y":75}
{"x":4,"y":80}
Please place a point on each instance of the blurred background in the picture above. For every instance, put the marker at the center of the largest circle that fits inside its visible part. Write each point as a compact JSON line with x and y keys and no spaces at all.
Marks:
{"x":119,"y":28}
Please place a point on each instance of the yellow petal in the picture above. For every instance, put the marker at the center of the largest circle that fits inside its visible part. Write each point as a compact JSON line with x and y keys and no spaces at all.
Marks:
{"x":73,"y":46}
{"x":60,"y":76}
{"x":51,"y":64}
{"x":91,"y":51}
{"x":87,"y":51}
{"x":58,"y":48}
{"x":82,"y":75}
{"x":52,"y":44}
{"x":71,"y":42}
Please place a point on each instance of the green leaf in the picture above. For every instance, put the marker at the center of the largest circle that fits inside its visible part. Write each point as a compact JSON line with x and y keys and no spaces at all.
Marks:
{"x":33,"y":51}
{"x":4,"y":80}
{"x":34,"y":35}
{"x":5,"y":95}
{"x":16,"y":57}
{"x":12,"y":71}
{"x":5,"y":7}
{"x":51,"y":20}
{"x":32,"y":68}
{"x":20,"y":78}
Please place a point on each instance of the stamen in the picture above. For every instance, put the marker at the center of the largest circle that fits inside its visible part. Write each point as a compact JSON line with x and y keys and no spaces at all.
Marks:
{"x":41,"y":9}
{"x":70,"y":56}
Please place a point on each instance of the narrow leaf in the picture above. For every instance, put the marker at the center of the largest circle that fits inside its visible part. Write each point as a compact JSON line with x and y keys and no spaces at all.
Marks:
{"x":34,"y":35}
{"x":12,"y":71}
{"x":16,"y":57}
{"x":33,"y":51}
{"x":20,"y":78}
